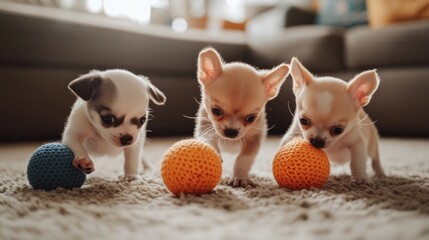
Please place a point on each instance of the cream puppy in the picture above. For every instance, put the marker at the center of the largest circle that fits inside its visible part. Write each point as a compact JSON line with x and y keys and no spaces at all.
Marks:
{"x":330,"y":116}
{"x":109,"y":118}
{"x":232,"y":108}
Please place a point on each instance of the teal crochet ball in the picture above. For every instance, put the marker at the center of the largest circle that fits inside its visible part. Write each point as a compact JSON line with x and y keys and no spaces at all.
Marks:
{"x":51,"y":167}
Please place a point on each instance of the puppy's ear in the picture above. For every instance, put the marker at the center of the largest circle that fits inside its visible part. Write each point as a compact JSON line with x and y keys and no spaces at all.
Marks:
{"x":274,"y":79}
{"x":362,"y":87}
{"x":155,"y":94}
{"x":86,"y":85}
{"x":300,"y":75}
{"x":209,"y":66}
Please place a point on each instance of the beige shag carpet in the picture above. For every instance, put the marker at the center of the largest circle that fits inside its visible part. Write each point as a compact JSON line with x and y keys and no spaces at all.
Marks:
{"x":107,"y":207}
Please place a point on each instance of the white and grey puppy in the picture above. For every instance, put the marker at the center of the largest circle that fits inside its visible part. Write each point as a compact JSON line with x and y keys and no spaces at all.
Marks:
{"x":109,"y":118}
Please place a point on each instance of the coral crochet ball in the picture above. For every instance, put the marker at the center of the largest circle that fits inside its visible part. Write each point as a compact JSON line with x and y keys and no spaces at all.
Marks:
{"x":299,"y":165}
{"x":192,"y":167}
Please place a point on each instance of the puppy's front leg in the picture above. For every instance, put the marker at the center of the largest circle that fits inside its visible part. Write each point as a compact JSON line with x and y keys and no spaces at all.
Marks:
{"x":132,"y":155}
{"x":292,"y":132}
{"x":147,"y":166}
{"x":81,"y":159}
{"x":374,"y":154}
{"x":359,"y":156}
{"x":243,"y":163}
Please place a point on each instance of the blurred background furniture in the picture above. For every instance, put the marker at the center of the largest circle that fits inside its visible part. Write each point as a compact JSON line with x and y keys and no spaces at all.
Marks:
{"x":43,"y":48}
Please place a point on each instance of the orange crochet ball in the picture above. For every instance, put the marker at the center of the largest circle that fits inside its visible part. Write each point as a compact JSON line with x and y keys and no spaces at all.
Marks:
{"x":192,"y":167}
{"x":299,"y":165}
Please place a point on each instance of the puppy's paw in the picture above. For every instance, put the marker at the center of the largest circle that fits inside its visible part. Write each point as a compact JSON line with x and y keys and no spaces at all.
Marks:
{"x":240,"y":182}
{"x":131,"y":177}
{"x":84,"y":164}
{"x":380,"y":175}
{"x":363,"y":180}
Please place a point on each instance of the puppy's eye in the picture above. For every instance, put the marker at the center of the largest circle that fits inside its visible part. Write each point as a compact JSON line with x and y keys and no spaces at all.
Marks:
{"x":250,"y":118}
{"x":336,"y":130}
{"x":305,"y":121}
{"x":217,"y":111}
{"x":108,"y":120}
{"x":142,"y":120}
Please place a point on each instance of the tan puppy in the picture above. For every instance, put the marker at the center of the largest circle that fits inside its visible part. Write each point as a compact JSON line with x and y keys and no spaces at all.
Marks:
{"x":330,"y":116}
{"x":232,"y":109}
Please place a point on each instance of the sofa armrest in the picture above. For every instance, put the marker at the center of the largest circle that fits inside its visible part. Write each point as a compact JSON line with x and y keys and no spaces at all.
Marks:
{"x":404,"y":44}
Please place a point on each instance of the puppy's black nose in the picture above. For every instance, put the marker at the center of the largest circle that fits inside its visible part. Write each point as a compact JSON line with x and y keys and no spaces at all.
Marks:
{"x":231,"y":133}
{"x":126,"y":140}
{"x":318,"y":142}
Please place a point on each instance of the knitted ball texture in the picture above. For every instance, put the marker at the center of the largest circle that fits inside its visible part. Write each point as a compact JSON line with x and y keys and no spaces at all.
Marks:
{"x":191,"y":167}
{"x":299,"y":165}
{"x":51,"y":167}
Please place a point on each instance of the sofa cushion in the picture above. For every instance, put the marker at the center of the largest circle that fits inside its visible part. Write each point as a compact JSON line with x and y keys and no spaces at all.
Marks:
{"x":295,"y":16}
{"x":320,"y":48}
{"x":386,"y":12}
{"x":342,"y":13}
{"x":404,"y":44}
{"x":53,"y":37}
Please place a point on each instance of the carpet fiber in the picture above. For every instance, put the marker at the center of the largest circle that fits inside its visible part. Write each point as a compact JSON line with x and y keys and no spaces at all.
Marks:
{"x":108,"y":207}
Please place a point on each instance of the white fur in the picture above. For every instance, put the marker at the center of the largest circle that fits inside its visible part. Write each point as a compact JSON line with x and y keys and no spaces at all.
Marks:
{"x":324,"y":102}
{"x":84,"y":132}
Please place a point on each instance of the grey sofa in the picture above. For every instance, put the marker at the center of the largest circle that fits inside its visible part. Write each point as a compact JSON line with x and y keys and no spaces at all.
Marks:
{"x":42,"y":50}
{"x":399,"y":52}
